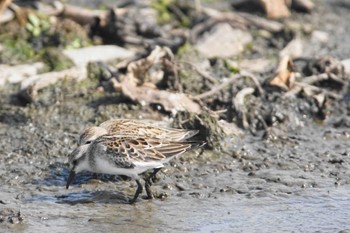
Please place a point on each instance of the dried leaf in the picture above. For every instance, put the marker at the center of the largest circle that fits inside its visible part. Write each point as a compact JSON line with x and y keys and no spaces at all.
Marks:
{"x":276,"y":9}
{"x":285,"y":75}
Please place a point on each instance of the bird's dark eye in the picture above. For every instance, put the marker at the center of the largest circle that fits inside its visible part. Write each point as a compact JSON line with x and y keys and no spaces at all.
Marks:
{"x":87,"y":142}
{"x":75,"y":162}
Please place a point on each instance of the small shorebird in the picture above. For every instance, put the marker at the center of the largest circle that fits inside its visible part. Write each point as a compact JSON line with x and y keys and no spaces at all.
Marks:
{"x":128,"y":154}
{"x":134,"y":127}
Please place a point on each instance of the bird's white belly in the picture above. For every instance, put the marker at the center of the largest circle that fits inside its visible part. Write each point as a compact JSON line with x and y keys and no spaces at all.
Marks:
{"x":106,"y":167}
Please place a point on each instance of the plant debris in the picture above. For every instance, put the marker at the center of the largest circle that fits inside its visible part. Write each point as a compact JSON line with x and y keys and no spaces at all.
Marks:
{"x":10,"y":216}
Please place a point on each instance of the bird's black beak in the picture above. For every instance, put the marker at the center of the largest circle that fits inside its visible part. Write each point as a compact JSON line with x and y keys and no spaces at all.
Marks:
{"x":70,"y":178}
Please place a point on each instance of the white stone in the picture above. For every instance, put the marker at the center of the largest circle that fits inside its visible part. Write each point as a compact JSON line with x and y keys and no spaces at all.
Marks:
{"x":223,"y":41}
{"x":346,"y":64}
{"x":97,"y":53}
{"x":294,"y":48}
{"x":15,"y":74}
{"x":320,"y":37}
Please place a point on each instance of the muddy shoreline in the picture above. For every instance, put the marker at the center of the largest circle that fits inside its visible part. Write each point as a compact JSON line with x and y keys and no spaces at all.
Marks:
{"x":294,"y":179}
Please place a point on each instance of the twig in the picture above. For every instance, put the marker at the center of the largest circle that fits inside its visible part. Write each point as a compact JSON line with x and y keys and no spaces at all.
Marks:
{"x":299,"y":86}
{"x":253,"y":78}
{"x":315,"y":78}
{"x":201,"y":72}
{"x":321,"y":77}
{"x":259,"y":22}
{"x":218,"y":87}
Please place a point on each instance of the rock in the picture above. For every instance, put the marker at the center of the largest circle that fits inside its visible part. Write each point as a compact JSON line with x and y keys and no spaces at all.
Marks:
{"x":303,"y":5}
{"x":97,"y":53}
{"x":223,"y":41}
{"x":259,"y":65}
{"x":293,"y":49}
{"x":346,"y":64}
{"x":319,"y":37}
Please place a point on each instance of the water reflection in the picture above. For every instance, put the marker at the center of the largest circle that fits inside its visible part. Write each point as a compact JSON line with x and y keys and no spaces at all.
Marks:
{"x":325,"y":212}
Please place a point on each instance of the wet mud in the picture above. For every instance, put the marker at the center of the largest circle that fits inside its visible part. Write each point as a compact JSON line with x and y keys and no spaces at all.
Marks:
{"x":296,"y":179}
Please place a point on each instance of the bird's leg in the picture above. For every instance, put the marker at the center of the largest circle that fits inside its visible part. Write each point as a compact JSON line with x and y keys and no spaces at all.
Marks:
{"x":148,"y":188}
{"x":137,"y":193}
{"x":153,"y":175}
{"x":148,"y":183}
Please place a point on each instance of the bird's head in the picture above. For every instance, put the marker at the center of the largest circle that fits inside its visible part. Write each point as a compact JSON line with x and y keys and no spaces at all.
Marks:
{"x":90,"y":134}
{"x":77,"y":162}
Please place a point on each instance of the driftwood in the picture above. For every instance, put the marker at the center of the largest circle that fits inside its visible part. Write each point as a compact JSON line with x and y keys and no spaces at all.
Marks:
{"x":80,"y":15}
{"x":236,"y":20}
{"x":31,"y":86}
{"x":15,"y":74}
{"x":146,"y":95}
{"x":139,"y":83}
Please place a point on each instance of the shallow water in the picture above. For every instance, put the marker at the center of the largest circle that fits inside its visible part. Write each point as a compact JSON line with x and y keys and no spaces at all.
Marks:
{"x":322,"y":211}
